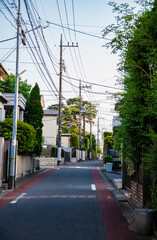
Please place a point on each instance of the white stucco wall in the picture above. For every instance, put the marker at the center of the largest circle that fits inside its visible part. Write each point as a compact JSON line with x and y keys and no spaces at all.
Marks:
{"x":50,"y":129}
{"x":2,"y":112}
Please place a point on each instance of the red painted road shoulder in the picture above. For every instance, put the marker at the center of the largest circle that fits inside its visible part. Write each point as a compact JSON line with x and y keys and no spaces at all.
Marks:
{"x":4,"y":201}
{"x":115,"y":224}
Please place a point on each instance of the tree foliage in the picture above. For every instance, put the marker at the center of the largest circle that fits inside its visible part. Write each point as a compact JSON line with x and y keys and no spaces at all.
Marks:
{"x":74,"y":129}
{"x":74,"y":140}
{"x":136,"y":39}
{"x":107,"y":134}
{"x":108,"y":142}
{"x":65,"y":129}
{"x":86,"y":143}
{"x":26,"y":135}
{"x":34,"y":114}
{"x":93,"y":141}
{"x":8,"y":86}
{"x":70,"y":111}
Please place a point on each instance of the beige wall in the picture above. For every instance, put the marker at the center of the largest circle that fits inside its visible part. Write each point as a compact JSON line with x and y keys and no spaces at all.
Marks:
{"x":50,"y":129}
{"x":24,"y":165}
{"x":65,"y":141}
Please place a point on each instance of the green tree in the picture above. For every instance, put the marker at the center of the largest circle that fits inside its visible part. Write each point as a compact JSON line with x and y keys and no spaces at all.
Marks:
{"x":54,"y":106}
{"x":26,"y":134}
{"x":86,"y":143}
{"x":74,"y":129}
{"x":74,"y":140}
{"x":136,"y":39}
{"x":34,"y":114}
{"x":8,"y":86}
{"x":65,"y":129}
{"x":93,"y":141}
{"x":107,"y":134}
{"x":108,"y":142}
{"x":71,"y":110}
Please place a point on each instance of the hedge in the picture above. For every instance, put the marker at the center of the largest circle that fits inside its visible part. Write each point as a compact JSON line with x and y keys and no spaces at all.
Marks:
{"x":107,"y":159}
{"x":26,"y":135}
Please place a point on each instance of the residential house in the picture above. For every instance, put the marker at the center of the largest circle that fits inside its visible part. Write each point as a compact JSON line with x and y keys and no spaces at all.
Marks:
{"x":3,"y":72}
{"x":50,"y":126}
{"x":3,"y":101}
{"x":10,"y":104}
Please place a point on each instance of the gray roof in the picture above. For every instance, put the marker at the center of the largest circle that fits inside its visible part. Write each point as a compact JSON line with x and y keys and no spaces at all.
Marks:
{"x":50,"y":112}
{"x":11,"y":97}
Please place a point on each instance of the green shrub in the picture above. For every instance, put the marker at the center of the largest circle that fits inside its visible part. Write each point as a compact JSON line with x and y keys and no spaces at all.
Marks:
{"x":107,"y":159}
{"x":94,"y":154}
{"x":65,"y":129}
{"x":83,"y":148}
{"x":86,"y":143}
{"x":74,"y":140}
{"x":26,"y":135}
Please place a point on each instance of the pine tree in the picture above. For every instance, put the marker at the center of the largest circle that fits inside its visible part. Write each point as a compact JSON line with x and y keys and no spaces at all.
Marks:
{"x":34,"y":114}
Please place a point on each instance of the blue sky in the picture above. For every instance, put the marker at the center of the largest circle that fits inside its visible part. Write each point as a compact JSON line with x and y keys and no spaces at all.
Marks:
{"x":89,"y":62}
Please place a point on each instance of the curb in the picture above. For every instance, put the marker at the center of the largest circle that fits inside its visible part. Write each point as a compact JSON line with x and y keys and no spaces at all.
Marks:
{"x":21,"y":180}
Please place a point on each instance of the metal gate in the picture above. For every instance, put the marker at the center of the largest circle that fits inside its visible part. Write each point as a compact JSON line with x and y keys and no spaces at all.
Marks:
{"x":67,"y":156}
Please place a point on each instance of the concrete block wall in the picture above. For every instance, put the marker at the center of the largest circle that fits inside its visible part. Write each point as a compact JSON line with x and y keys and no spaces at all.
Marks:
{"x":24,"y":165}
{"x":49,"y":161}
{"x":137,"y":194}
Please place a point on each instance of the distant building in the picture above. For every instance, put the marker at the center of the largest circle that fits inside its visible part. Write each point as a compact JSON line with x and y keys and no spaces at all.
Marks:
{"x":50,"y":126}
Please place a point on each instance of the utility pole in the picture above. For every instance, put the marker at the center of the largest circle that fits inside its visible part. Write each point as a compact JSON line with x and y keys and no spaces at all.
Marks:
{"x":13,"y":142}
{"x":98,"y":143}
{"x":60,"y":105}
{"x":84,"y":122}
{"x":80,"y":115}
{"x":90,"y":153}
{"x":60,"y":99}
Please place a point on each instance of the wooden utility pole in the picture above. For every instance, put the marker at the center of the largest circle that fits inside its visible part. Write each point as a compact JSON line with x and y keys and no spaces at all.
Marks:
{"x":90,"y":153}
{"x":60,"y":105}
{"x":80,"y":127}
{"x":60,"y":99}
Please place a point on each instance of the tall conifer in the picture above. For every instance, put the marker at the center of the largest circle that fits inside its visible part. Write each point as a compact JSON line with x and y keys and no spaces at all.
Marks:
{"x":34,"y":114}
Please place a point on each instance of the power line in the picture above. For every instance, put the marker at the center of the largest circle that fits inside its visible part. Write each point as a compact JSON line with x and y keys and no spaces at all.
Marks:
{"x":9,"y":39}
{"x":96,"y":84}
{"x":74,"y":30}
{"x":99,"y":93}
{"x":40,"y":54}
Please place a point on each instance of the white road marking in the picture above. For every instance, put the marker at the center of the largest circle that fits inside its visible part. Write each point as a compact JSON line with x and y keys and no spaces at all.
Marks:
{"x":78,"y":167}
{"x":93,"y":187}
{"x":16,"y":199}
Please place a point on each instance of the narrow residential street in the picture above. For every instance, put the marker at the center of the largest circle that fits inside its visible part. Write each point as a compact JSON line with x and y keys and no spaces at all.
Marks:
{"x":70,"y":202}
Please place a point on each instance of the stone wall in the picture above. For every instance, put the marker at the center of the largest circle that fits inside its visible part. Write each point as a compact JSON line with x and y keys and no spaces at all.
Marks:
{"x":49,"y":161}
{"x":137,"y":193}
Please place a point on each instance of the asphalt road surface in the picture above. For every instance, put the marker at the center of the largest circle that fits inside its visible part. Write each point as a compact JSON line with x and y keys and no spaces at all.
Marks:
{"x":63,"y":204}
